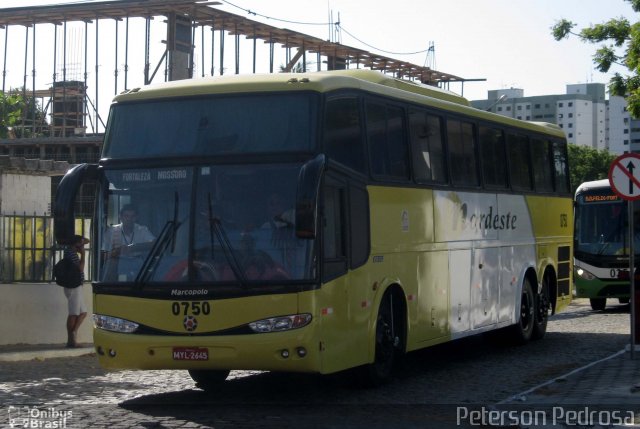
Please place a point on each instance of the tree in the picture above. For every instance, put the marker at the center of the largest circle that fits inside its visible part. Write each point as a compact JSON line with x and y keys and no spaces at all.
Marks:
{"x":21,"y":116}
{"x":621,"y":46}
{"x":588,"y":164}
{"x":11,"y":107}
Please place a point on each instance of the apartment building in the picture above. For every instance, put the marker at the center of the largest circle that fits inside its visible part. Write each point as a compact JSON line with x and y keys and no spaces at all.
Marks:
{"x":584,"y":113}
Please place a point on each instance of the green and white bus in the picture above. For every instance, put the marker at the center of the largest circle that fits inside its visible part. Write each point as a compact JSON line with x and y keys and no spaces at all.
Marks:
{"x":601,"y":245}
{"x":405,"y":219}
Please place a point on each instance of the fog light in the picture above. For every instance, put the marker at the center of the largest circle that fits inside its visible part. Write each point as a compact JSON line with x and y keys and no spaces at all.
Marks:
{"x":284,"y":353}
{"x":112,"y":353}
{"x":100,"y":351}
{"x":302,"y":352}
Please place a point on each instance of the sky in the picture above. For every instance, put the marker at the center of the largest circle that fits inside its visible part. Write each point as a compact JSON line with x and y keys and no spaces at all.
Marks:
{"x":506,"y":42}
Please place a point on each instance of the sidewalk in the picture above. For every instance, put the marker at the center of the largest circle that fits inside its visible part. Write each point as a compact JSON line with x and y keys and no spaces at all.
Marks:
{"x":614,"y":380}
{"x":605,"y":393}
{"x":22,"y":352}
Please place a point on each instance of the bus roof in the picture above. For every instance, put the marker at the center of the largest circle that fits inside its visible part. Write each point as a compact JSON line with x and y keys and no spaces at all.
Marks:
{"x":326,"y":81}
{"x":592,"y":185}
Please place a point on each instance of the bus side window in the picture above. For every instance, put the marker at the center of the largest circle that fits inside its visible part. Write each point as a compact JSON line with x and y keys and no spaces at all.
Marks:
{"x":519,"y":162}
{"x":343,"y":140}
{"x":428,"y":151}
{"x":462,"y":153}
{"x":561,"y":167}
{"x":541,"y":150}
{"x":493,"y":157}
{"x":387,"y":142}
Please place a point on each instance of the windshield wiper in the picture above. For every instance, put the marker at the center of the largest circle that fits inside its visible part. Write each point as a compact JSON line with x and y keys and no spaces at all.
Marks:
{"x":215,"y":227}
{"x":167,"y":237}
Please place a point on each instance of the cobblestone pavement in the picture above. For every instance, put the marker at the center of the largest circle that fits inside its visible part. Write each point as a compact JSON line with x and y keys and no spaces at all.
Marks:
{"x":431,"y":389}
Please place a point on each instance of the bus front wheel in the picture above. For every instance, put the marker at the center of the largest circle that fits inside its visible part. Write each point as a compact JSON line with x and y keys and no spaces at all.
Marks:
{"x":598,"y":304}
{"x":387,"y":344}
{"x":207,"y":379}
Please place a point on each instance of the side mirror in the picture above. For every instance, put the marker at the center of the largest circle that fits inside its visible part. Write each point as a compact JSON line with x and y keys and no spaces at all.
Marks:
{"x":307,"y":197}
{"x":63,"y":215}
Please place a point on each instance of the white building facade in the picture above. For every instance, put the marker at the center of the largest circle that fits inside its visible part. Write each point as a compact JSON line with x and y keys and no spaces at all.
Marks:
{"x":582,"y":112}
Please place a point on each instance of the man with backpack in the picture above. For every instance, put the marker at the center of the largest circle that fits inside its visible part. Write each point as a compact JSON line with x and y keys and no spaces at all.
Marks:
{"x":75,"y":252}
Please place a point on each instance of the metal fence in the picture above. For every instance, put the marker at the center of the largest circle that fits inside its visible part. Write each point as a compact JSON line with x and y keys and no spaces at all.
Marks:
{"x":28,"y":250}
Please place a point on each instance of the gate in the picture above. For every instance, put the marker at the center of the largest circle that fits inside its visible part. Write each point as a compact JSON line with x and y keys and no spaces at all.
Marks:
{"x":28,"y":251}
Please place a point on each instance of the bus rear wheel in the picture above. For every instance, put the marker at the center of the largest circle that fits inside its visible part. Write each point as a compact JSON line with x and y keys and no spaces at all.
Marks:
{"x":207,"y":379}
{"x":542,"y":311}
{"x":522,"y":331}
{"x":598,"y":304}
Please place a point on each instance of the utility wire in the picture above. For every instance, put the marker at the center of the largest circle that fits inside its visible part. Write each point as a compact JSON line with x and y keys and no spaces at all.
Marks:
{"x":337,"y":24}
{"x":378,"y":49}
{"x":250,"y":12}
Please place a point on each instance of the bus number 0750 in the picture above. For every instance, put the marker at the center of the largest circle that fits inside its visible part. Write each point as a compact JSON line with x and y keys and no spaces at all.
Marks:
{"x":195,"y":308}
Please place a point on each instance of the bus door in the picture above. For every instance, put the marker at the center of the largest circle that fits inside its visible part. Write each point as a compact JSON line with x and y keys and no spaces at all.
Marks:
{"x":345,"y":247}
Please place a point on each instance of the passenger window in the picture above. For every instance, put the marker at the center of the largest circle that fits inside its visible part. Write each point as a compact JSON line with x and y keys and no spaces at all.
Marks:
{"x":343,"y":140}
{"x":519,"y":162}
{"x":493,"y":157}
{"x":541,"y":156}
{"x":561,"y":167}
{"x":427,"y":147}
{"x":387,"y":142}
{"x":462,"y":153}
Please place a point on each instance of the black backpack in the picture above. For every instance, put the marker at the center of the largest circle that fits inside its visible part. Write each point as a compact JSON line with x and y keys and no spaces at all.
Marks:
{"x":67,"y":274}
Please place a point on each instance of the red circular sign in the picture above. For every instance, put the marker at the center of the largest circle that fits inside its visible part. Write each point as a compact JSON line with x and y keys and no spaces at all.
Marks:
{"x":624,"y":176}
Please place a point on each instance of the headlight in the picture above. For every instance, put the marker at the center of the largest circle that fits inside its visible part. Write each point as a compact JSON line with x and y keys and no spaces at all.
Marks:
{"x":584,"y":274}
{"x":114,"y":324}
{"x":282,"y":323}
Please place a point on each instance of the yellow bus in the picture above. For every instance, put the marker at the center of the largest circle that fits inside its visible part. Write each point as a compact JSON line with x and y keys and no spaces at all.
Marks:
{"x":317,"y":223}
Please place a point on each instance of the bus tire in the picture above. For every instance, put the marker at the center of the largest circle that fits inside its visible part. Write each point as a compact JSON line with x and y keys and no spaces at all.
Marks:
{"x":207,"y":379}
{"x":542,"y":311}
{"x":387,"y":339}
{"x":522,"y":331}
{"x":598,"y":304}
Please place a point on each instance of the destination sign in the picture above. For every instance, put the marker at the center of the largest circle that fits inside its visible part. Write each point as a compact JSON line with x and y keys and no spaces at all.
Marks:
{"x":600,"y":198}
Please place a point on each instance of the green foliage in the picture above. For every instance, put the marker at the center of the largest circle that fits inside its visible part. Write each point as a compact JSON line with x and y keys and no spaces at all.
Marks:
{"x":11,"y":106}
{"x":588,"y":164}
{"x":16,"y":111}
{"x":621,"y":41}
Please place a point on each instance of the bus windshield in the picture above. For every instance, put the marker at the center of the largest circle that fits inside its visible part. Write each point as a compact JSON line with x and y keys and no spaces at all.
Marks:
{"x":222,"y":125}
{"x":601,"y":225}
{"x":232,"y":224}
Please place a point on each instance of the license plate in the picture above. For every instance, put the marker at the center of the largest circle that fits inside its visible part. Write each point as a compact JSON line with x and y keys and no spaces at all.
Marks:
{"x":190,"y":353}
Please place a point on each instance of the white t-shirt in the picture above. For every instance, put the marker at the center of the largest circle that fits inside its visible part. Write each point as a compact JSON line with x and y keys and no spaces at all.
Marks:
{"x":116,"y":237}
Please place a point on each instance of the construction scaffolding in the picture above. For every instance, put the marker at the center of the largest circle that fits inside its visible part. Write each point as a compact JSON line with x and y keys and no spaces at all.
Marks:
{"x":193,"y":27}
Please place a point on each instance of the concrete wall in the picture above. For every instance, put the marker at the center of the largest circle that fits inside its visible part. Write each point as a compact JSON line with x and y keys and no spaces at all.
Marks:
{"x":24,"y":193}
{"x":37,"y":314}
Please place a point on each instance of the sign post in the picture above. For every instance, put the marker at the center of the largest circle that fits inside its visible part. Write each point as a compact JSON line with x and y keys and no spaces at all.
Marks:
{"x":624,"y":177}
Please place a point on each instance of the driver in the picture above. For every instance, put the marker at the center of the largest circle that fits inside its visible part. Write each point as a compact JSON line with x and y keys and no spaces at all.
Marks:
{"x":126,"y":233}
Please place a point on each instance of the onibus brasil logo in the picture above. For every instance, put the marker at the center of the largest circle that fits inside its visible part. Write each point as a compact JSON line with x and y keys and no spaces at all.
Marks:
{"x":27,"y":416}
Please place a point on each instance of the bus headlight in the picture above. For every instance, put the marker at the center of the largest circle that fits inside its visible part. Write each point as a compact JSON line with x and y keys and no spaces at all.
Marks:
{"x":114,"y":324}
{"x":282,"y":323}
{"x":584,"y":274}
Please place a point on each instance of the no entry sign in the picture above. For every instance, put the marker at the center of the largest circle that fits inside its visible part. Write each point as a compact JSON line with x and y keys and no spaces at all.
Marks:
{"x":624,"y":176}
